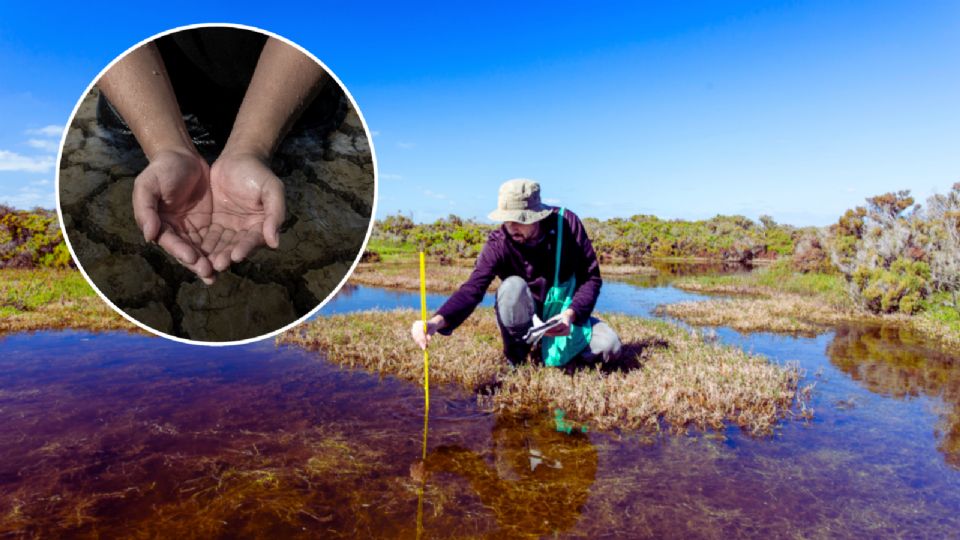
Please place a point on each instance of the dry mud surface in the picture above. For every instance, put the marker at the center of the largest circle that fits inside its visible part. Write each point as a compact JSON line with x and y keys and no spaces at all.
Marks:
{"x":328,"y":174}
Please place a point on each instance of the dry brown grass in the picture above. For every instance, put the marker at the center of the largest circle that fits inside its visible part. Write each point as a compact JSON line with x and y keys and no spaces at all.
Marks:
{"x":91,"y":314}
{"x":787,"y":313}
{"x":380,"y":341}
{"x":765,"y":308}
{"x":945,"y":336}
{"x":627,"y":270}
{"x":669,"y":374}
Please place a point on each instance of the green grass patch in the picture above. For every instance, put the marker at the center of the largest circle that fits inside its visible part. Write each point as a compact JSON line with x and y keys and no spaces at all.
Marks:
{"x":392,"y":251}
{"x":778,"y":277}
{"x":29,"y":290}
{"x":45,"y":298}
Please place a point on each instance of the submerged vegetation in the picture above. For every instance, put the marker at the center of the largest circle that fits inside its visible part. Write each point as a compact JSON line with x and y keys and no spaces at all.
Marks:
{"x":668,"y":376}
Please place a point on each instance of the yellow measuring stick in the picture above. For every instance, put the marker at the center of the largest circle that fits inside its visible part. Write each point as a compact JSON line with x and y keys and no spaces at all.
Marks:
{"x":426,"y":391}
{"x":426,"y":354}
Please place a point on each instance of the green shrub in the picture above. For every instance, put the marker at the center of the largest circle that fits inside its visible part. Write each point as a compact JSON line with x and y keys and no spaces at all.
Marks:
{"x":900,"y":288}
{"x":31,"y":239}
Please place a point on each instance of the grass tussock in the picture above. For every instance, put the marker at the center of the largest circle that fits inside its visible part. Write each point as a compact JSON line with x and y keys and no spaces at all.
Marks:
{"x":943,"y":332}
{"x":786,"y":313}
{"x":379,"y":341}
{"x":44,"y":299}
{"x":627,"y":270}
{"x":668,"y":374}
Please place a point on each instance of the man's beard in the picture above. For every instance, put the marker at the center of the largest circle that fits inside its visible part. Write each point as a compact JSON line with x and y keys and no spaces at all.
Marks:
{"x":528,"y":242}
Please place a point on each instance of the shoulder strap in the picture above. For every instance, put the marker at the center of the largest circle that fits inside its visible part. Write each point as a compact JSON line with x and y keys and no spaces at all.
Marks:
{"x":556,"y":271}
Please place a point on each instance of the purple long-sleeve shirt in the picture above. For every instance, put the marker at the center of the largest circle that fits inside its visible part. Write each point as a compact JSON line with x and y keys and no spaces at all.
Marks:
{"x":503,"y":257}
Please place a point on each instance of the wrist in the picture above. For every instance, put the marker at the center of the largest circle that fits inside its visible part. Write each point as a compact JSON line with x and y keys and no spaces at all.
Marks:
{"x":437,"y":321}
{"x":182,"y":148}
{"x":569,"y":316}
{"x":240,"y":145}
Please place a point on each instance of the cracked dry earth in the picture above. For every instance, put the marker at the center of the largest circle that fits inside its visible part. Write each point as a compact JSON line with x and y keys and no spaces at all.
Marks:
{"x":328,"y":175}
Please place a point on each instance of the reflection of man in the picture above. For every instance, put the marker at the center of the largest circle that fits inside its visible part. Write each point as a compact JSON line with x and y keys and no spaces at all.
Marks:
{"x":539,"y":482}
{"x":548,"y":268}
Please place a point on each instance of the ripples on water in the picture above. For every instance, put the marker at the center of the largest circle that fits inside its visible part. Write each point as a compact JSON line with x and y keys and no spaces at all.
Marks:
{"x":118,"y":435}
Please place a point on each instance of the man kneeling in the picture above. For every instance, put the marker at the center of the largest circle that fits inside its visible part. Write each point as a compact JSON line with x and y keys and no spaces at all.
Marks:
{"x":548,"y":269}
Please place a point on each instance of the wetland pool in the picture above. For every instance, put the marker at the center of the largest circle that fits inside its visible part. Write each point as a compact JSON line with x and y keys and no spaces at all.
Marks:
{"x":119,"y":435}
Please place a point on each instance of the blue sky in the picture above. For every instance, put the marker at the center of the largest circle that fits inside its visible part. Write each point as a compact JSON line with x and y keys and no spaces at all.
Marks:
{"x":794,"y":109}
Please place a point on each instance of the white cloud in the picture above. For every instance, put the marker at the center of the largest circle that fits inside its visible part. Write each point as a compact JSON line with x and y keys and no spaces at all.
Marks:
{"x":434,"y":195}
{"x":41,"y":182}
{"x":406,"y":145}
{"x":552,"y":201}
{"x":43,"y":144}
{"x":29,"y":197}
{"x":47,"y":131}
{"x":374,"y":133}
{"x":11,"y":161}
{"x":387,"y":176}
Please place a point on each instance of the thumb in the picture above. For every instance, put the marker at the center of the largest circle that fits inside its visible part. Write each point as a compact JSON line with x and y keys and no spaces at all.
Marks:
{"x":146,"y":198}
{"x":274,"y":208}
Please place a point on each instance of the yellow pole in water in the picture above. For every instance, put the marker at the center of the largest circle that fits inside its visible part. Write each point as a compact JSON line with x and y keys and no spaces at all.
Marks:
{"x":426,"y":354}
{"x":426,"y":393}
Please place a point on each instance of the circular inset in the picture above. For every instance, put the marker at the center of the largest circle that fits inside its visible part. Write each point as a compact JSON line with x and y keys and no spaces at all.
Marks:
{"x":216,"y":184}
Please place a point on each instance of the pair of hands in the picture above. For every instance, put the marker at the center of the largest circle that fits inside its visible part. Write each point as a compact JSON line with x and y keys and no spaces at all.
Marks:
{"x":208,"y":217}
{"x":422,"y":338}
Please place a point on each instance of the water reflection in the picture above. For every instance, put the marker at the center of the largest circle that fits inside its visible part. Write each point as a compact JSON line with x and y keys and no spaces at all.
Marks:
{"x":535,"y":480}
{"x":668,"y":271}
{"x":892,"y":361}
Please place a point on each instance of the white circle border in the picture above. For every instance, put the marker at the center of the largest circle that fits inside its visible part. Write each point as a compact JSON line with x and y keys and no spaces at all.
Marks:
{"x":373,"y":210}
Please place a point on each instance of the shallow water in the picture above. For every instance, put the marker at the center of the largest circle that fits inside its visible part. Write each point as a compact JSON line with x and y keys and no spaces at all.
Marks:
{"x":120,"y":435}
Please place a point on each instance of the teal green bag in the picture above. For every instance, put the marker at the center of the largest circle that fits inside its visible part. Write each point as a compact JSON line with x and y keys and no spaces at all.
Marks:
{"x":559,"y":350}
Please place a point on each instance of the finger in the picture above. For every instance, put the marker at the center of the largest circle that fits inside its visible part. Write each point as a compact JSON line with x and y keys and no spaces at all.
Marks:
{"x":211,"y":239}
{"x":175,"y":245}
{"x":245,"y":243}
{"x":221,"y":252}
{"x":203,"y":269}
{"x":146,"y":196}
{"x":274,"y":208}
{"x":201,"y":266}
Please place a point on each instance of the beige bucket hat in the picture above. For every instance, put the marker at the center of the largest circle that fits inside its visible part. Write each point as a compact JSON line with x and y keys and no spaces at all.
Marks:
{"x":519,"y":201}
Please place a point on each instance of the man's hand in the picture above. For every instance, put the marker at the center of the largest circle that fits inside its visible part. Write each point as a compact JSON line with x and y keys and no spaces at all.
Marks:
{"x":562,"y":329}
{"x":172,"y":204}
{"x":422,"y":338}
{"x":248,"y":209}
